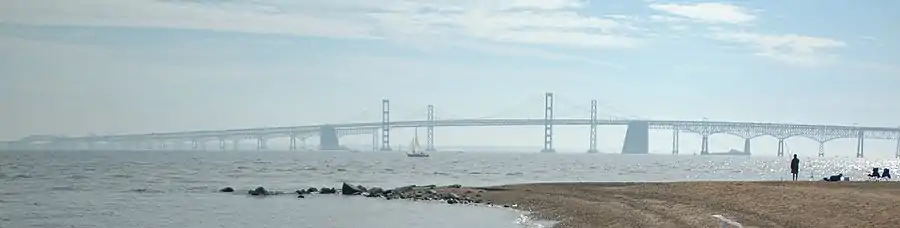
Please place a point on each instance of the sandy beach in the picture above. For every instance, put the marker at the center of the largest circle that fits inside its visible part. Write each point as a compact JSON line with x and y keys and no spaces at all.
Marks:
{"x":691,"y":204}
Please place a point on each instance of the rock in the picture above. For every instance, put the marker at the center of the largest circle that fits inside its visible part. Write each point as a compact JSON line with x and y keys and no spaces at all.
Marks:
{"x":451,"y":196}
{"x":452,"y":201}
{"x":362,"y":188}
{"x":430,"y":186}
{"x":259,"y":191}
{"x":227,"y":189}
{"x":301,"y":192}
{"x":311,"y":190}
{"x":404,"y":189}
{"x":376,"y":190}
{"x":327,"y":191}
{"x":301,"y":196}
{"x":454,"y":186}
{"x":348,"y":189}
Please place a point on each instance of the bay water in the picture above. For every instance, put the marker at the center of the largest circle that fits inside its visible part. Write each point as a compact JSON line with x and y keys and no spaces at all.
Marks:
{"x":168,"y":189}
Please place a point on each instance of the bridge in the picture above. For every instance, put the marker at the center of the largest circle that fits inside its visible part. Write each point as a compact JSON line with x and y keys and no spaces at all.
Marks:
{"x":636,"y":136}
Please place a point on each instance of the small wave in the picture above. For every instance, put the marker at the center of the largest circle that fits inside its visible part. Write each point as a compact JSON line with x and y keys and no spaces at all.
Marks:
{"x":120,"y":176}
{"x":63,"y":188}
{"x":78,"y":177}
{"x":526,"y":221}
{"x":440,"y":174}
{"x":200,"y":189}
{"x":146,"y":190}
{"x":21,"y":176}
{"x":341,"y":170}
{"x":515,"y":174}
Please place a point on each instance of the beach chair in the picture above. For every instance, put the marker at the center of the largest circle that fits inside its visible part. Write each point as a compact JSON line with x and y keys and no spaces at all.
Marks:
{"x":875,"y":175}
{"x":886,"y":175}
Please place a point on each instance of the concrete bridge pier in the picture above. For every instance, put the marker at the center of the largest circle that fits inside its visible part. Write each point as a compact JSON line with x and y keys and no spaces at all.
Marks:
{"x":747,"y":146}
{"x":861,"y":139}
{"x":195,"y":144}
{"x":821,"y":149}
{"x":293,"y":145}
{"x":897,"y":155}
{"x":704,"y":144}
{"x":592,"y":149}
{"x":374,"y":140}
{"x":675,"y":142}
{"x":637,"y":138}
{"x":780,"y":147}
{"x":328,"y":139}
{"x":221,"y":144}
{"x":261,"y":144}
{"x":235,"y":144}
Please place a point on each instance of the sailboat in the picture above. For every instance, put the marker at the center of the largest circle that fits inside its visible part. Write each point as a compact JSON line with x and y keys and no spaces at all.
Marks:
{"x":414,"y":150}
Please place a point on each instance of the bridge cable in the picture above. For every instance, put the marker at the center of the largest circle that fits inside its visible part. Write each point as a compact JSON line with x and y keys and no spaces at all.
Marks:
{"x":527,"y":102}
{"x":585,"y":109}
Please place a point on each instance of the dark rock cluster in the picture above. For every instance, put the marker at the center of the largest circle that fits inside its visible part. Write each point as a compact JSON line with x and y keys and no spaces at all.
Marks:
{"x":451,"y":194}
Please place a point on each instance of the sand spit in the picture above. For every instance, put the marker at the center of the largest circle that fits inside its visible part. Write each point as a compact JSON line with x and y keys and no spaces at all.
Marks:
{"x":692,"y":204}
{"x":678,"y":204}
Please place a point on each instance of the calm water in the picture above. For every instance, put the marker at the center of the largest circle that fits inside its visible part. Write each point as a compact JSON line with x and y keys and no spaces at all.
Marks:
{"x":178,"y":189}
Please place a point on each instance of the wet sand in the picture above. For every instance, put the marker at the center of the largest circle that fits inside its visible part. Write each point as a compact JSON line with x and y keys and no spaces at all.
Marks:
{"x":691,"y":204}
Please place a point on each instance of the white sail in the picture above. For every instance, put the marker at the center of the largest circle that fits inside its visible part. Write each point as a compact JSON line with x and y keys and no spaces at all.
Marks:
{"x":414,"y":147}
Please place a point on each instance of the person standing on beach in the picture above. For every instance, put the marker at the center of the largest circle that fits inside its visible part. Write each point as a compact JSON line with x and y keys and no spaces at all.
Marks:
{"x":795,"y":167}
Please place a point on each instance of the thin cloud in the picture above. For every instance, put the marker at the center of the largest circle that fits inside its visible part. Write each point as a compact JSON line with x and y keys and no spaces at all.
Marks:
{"x":708,"y":12}
{"x":555,"y":22}
{"x":793,"y":49}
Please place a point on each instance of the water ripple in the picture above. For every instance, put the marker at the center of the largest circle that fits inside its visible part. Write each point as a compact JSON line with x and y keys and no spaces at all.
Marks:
{"x":168,"y":189}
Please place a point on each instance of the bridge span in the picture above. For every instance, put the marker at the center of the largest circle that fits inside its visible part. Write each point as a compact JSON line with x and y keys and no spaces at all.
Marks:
{"x":636,"y":138}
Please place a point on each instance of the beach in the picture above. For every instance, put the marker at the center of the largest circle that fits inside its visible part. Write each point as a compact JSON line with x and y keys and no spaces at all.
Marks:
{"x":692,"y":204}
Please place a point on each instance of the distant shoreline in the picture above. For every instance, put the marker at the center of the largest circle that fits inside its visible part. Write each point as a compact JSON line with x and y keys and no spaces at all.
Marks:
{"x":692,"y":204}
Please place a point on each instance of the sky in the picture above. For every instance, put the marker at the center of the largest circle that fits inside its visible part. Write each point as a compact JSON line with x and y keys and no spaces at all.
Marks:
{"x":78,"y":67}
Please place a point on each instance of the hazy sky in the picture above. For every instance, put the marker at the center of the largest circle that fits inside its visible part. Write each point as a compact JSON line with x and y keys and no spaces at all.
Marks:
{"x":110,"y":66}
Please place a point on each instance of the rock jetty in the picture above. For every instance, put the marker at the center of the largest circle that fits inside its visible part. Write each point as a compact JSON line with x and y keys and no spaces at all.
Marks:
{"x":451,"y":194}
